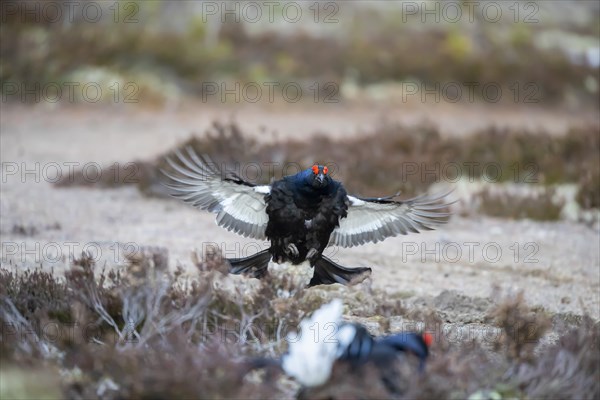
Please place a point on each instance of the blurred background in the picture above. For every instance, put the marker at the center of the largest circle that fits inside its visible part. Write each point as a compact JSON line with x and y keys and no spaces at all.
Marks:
{"x":513,"y":84}
{"x":171,"y":50}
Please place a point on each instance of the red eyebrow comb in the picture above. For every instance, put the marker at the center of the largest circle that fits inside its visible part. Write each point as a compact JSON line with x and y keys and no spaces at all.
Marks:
{"x":428,"y":339}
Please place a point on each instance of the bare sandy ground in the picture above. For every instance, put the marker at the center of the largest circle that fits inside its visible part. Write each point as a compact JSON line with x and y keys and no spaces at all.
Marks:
{"x":556,"y":264}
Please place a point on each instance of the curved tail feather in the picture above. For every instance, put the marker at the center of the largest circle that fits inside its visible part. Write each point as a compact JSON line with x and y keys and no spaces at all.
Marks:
{"x":256,"y":265}
{"x":328,"y":272}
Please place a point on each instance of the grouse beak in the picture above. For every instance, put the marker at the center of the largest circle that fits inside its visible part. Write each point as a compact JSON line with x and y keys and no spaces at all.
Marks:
{"x":320,"y":178}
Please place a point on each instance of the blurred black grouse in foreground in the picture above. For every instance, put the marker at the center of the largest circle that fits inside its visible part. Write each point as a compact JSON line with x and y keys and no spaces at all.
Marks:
{"x":299,"y":214}
{"x":329,"y":353}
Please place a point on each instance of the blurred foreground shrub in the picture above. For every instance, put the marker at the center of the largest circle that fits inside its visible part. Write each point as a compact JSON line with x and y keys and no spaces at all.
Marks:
{"x":145,"y":331}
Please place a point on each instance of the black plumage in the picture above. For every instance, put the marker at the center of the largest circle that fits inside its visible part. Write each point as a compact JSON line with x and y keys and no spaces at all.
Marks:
{"x":388,"y":363}
{"x":388,"y":355}
{"x":356,"y":350}
{"x":383,"y":351}
{"x":299,"y":214}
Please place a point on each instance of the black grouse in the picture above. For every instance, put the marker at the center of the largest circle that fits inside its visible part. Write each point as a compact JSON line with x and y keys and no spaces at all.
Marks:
{"x":327,"y":349}
{"x":299,"y":214}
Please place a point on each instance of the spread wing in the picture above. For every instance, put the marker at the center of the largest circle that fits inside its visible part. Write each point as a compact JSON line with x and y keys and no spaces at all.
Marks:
{"x":239,"y":205}
{"x":374,"y":219}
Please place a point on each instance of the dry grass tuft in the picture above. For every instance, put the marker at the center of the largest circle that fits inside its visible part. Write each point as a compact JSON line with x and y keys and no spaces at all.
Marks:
{"x":522,"y":327}
{"x":544,"y":206}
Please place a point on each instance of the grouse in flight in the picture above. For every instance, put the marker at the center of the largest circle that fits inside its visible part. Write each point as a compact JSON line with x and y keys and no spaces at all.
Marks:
{"x":299,"y":214}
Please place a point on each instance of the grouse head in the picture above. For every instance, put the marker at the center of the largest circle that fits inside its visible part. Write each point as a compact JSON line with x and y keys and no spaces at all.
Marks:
{"x":317,"y":176}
